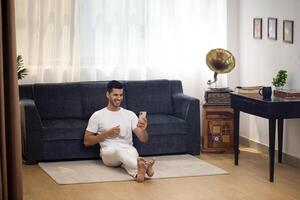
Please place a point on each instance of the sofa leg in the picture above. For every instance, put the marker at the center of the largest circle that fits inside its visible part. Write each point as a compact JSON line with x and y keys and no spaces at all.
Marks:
{"x":194,"y":153}
{"x":29,"y":162}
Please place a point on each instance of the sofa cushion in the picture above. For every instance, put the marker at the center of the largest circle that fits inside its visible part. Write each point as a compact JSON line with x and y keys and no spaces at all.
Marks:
{"x":167,"y":134}
{"x":69,"y":149}
{"x":93,"y":96}
{"x":64,"y":129}
{"x":162,"y":144}
{"x":61,"y":100}
{"x":162,"y":124}
{"x":153,"y":96}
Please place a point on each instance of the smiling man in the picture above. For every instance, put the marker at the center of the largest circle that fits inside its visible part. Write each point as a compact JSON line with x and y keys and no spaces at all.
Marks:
{"x":112,"y":128}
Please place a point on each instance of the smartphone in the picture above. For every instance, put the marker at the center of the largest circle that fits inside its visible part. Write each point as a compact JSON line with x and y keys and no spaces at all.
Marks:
{"x":142,"y":114}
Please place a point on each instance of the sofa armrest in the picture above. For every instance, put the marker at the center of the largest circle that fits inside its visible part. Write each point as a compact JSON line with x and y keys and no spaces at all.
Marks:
{"x":181,"y":105}
{"x":188,"y":108}
{"x":31,"y":127}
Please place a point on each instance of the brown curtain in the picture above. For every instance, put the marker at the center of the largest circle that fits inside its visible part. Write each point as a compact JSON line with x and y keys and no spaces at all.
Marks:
{"x":10,"y":130}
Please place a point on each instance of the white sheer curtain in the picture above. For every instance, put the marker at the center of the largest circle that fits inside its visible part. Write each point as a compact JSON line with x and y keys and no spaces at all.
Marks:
{"x":47,"y":38}
{"x":179,"y":35}
{"x":112,"y":35}
{"x":74,"y":40}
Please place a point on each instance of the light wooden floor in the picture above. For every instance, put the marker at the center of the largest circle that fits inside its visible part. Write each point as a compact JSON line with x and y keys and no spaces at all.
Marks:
{"x":249,"y":180}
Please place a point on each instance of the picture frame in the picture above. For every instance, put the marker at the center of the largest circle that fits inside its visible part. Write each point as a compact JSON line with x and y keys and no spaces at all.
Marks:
{"x":257,"y":28}
{"x":272,"y":28}
{"x":288,"y":31}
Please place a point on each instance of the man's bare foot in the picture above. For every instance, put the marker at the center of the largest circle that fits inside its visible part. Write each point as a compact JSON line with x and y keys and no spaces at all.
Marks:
{"x":141,"y":170}
{"x":149,"y":164}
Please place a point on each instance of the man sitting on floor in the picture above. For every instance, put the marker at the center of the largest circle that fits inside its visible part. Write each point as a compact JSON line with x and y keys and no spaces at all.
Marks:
{"x":112,"y":128}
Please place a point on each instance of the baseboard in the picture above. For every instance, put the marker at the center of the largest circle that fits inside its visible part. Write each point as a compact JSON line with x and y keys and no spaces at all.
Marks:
{"x":286,"y":158}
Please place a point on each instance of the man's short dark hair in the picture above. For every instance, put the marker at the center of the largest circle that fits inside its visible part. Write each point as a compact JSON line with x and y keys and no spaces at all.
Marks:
{"x":113,"y":84}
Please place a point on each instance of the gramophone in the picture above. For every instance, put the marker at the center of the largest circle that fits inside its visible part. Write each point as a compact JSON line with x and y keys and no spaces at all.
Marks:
{"x":220,"y":61}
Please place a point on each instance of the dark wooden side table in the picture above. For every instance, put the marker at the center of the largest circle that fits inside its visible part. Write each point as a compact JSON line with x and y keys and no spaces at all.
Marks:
{"x":217,"y":129}
{"x":273,"y":109}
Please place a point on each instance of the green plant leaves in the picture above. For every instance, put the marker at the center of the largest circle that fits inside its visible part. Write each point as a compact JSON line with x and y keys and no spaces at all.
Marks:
{"x":280,"y":79}
{"x":22,"y":71}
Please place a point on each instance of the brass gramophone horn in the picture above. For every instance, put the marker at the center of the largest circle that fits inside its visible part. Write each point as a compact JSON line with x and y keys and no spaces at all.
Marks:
{"x":219,"y":61}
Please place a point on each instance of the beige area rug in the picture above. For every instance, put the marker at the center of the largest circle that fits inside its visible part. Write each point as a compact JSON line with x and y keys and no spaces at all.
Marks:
{"x":88,"y":171}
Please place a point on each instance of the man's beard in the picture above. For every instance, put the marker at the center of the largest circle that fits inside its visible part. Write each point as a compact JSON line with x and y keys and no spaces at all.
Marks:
{"x":115,"y":103}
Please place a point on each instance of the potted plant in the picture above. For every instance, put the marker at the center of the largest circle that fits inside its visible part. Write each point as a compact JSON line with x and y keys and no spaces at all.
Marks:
{"x":280,"y":79}
{"x":22,"y":71}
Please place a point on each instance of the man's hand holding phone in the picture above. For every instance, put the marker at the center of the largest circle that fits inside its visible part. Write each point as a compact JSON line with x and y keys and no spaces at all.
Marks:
{"x":142,"y":123}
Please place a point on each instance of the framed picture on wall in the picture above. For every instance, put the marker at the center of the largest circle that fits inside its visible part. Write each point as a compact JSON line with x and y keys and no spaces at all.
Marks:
{"x":257,"y":28}
{"x":288,"y":31}
{"x":272,"y":28}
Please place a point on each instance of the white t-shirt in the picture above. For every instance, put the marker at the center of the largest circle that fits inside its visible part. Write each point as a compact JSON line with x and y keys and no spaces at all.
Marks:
{"x":104,"y":119}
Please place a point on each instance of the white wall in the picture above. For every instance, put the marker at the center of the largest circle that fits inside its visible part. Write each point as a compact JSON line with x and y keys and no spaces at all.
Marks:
{"x":259,"y":61}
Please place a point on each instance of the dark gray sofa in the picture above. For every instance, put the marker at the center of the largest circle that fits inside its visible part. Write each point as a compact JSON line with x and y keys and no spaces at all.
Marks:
{"x":54,"y":118}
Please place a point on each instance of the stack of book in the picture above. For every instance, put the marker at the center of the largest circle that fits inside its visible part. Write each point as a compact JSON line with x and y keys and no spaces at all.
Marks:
{"x":287,"y":93}
{"x":249,"y":89}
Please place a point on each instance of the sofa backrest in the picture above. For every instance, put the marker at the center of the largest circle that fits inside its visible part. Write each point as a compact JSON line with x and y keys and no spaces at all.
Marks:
{"x":93,"y":95}
{"x":176,"y":86}
{"x":25,"y":91}
{"x":58,"y":100}
{"x":153,"y":96}
{"x":82,"y":99}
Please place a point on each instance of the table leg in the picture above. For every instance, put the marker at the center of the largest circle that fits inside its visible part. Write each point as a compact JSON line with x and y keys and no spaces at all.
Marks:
{"x":280,"y":135}
{"x":236,"y":132}
{"x":272,"y":126}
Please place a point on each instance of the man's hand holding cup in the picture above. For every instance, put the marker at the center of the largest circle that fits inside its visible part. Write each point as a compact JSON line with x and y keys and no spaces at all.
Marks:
{"x":113,"y":132}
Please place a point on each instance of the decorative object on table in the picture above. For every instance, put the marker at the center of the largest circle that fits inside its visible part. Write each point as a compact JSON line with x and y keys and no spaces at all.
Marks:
{"x":257,"y":28}
{"x":220,"y":61}
{"x":218,"y":97}
{"x":22,"y":71}
{"x":272,"y":28}
{"x":280,"y":80}
{"x":217,"y":129}
{"x":288,"y":31}
{"x":284,"y":93}
{"x":248,"y":89}
{"x":266,"y":92}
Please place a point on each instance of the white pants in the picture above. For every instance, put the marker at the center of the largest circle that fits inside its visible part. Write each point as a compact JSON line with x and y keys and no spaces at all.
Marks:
{"x":126,"y":156}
